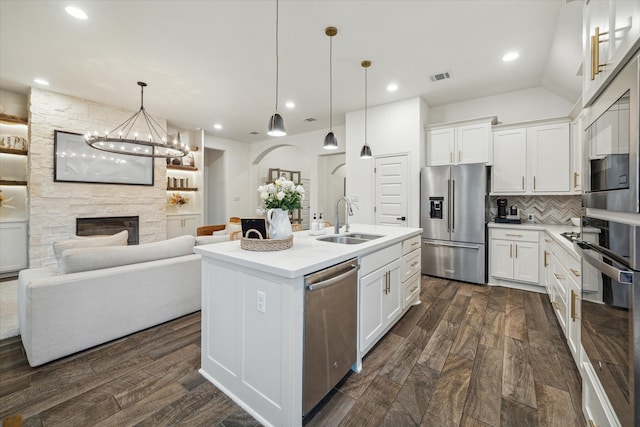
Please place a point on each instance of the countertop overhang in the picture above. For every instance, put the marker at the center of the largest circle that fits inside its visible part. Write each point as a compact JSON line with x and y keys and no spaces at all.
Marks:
{"x":307,"y":254}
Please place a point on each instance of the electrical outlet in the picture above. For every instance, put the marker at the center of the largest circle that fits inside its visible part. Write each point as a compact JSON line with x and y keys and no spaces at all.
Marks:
{"x":261,"y":302}
{"x":531,"y":217}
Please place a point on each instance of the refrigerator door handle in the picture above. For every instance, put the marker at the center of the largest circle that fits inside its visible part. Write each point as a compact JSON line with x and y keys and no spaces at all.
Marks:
{"x":451,"y":245}
{"x":448,"y":205}
{"x":453,"y":205}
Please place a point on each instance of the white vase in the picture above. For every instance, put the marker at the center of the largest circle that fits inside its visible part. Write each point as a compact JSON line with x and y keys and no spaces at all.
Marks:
{"x":279,"y":224}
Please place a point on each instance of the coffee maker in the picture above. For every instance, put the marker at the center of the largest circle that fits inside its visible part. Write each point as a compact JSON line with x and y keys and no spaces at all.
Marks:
{"x":502,"y":210}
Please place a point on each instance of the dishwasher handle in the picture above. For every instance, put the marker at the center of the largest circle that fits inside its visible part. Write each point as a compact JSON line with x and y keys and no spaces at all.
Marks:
{"x":332,"y":281}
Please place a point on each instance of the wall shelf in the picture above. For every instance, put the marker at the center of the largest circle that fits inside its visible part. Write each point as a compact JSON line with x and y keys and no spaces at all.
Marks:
{"x":11,"y":182}
{"x":182,"y":189}
{"x":182,"y":167}
{"x":13,"y":151}
{"x":8,"y":118}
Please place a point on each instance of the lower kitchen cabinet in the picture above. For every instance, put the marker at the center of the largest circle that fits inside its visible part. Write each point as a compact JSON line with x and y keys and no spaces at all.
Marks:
{"x":180,"y":225}
{"x":13,"y":246}
{"x":380,"y":302}
{"x":514,"y":255}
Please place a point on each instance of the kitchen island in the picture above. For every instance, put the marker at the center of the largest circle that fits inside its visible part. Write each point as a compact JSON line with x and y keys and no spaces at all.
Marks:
{"x":253,"y":311}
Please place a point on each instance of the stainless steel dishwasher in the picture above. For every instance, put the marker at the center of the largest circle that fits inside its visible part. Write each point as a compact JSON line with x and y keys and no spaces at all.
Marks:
{"x":330,"y":329}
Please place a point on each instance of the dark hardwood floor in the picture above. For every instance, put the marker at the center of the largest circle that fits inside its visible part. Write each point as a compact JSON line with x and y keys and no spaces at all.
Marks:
{"x":467,"y":356}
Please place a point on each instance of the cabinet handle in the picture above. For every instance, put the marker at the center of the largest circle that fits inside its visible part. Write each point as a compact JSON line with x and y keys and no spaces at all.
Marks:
{"x":595,"y":52}
{"x":415,"y":243}
{"x":459,"y":156}
{"x":574,"y":296}
{"x":575,"y":179}
{"x":388,"y":282}
{"x":413,"y":264}
{"x":547,"y":240}
{"x":510,"y":250}
{"x":591,"y":423}
{"x":513,"y":235}
{"x":412,"y":290}
{"x":523,"y":182}
{"x":516,"y":250}
{"x":450,"y":156}
{"x":534,"y":182}
{"x":575,"y":272}
{"x":559,"y":277}
{"x":546,"y":264}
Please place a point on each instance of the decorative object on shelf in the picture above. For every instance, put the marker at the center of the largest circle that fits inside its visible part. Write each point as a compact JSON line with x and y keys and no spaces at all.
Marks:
{"x":276,"y":122}
{"x":330,"y":141}
{"x":178,"y":200}
{"x":176,"y":162}
{"x":365,"y":152}
{"x":154,"y":144}
{"x":75,"y":161}
{"x":14,"y":142}
{"x":188,"y":160}
{"x":4,"y":201}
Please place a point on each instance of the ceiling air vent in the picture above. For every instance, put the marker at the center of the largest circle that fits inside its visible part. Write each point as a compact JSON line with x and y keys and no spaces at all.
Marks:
{"x":309,"y":119}
{"x":440,"y":76}
{"x":253,"y":133}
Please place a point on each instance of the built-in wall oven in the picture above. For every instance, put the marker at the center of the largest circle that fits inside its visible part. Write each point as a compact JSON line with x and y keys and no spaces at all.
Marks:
{"x":611,"y":312}
{"x":611,"y":145}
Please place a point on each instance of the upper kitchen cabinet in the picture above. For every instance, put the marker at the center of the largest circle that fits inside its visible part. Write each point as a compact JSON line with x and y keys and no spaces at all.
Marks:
{"x":611,"y":34}
{"x":460,"y":143}
{"x":532,"y":159}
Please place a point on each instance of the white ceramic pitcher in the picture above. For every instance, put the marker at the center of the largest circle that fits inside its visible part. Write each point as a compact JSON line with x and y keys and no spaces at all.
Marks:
{"x":279,"y":224}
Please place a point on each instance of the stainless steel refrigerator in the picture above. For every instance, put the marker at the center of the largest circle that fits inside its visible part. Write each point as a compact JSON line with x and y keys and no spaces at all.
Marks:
{"x":452,"y":211}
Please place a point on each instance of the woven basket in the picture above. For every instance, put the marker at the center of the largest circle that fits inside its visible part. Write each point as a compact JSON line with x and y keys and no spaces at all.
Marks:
{"x":265,"y":245}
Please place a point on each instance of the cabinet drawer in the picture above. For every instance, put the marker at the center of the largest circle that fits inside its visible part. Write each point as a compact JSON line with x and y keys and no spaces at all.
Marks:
{"x":514,"y":235}
{"x":410,"y":264}
{"x":376,"y":260}
{"x":410,"y":245}
{"x":411,"y":291}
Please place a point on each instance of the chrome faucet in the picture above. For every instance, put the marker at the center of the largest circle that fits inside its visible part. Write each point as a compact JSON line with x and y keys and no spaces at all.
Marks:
{"x":347,"y":213}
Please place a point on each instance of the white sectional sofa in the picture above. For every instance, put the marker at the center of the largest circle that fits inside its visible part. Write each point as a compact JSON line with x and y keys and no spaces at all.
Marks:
{"x":98,"y":294}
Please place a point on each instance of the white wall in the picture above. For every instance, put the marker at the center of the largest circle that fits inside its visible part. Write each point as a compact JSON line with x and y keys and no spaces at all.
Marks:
{"x":309,"y":146}
{"x":215,"y":189}
{"x":14,"y":104}
{"x":395,"y":128}
{"x":520,"y":106}
{"x":236,"y":179}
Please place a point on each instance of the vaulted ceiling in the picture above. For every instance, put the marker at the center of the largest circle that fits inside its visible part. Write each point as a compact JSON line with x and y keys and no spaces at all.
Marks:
{"x":213,"y":61}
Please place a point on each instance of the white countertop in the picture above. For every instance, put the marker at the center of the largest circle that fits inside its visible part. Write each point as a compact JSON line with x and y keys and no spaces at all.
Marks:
{"x":307,"y":254}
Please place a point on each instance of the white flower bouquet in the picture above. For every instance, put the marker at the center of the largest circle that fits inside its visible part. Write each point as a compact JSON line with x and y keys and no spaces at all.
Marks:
{"x":282,"y":194}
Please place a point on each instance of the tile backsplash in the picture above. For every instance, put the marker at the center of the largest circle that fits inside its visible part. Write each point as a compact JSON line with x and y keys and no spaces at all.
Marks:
{"x":546,"y":209}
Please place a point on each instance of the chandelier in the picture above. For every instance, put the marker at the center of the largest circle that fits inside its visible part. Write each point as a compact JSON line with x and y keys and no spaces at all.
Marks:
{"x":124,"y":140}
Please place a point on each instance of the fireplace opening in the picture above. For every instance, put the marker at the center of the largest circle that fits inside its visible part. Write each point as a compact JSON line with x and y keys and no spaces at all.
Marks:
{"x":108,"y":226}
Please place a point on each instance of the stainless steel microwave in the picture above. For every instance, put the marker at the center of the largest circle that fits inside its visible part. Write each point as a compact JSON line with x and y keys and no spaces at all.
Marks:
{"x":610,"y":179}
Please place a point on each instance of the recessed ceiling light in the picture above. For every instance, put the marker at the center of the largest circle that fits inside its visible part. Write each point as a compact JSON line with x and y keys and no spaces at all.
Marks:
{"x":217,"y":126}
{"x":392,"y":87}
{"x":42,"y":82}
{"x":290,"y":104}
{"x":76,"y":12}
{"x":510,"y":56}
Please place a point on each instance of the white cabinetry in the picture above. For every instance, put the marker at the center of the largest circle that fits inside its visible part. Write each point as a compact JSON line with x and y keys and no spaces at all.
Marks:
{"x":180,"y":225}
{"x":411,"y":267}
{"x":531,"y":159}
{"x":611,"y":34}
{"x":459,"y":143}
{"x":513,"y":256}
{"x":13,"y":246}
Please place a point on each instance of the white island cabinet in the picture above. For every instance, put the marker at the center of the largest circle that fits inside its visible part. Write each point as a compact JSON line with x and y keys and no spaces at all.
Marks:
{"x":253,"y":314}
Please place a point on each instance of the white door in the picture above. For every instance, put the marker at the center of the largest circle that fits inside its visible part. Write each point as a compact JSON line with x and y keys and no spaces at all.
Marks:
{"x":440,"y":146}
{"x":391,"y":181}
{"x":473,"y":144}
{"x":509,"y":161}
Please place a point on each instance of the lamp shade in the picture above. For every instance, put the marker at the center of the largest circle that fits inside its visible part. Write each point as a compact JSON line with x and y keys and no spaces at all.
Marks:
{"x":330,"y":142}
{"x":276,"y":125}
{"x":365,"y":153}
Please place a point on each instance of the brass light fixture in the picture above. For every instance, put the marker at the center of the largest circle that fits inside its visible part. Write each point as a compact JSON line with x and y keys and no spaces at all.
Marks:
{"x":330,"y":141}
{"x":276,"y":122}
{"x":365,"y":152}
{"x":153,"y":144}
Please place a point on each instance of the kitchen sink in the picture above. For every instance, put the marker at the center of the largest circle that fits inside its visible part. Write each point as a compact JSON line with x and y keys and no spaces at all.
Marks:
{"x":345,"y":240}
{"x":364,"y":236}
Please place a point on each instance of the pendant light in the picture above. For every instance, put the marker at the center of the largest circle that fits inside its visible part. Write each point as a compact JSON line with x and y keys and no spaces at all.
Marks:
{"x":154,"y":142}
{"x":276,"y":122}
{"x":330,"y":141}
{"x":365,"y":153}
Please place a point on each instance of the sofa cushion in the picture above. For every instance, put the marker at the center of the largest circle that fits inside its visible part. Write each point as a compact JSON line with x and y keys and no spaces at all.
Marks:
{"x":216,"y":238}
{"x":118,"y":239}
{"x":85,"y":259}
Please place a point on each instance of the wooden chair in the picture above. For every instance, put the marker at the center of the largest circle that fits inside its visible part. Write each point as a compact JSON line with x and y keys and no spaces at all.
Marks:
{"x":207,"y":230}
{"x":296,"y":227}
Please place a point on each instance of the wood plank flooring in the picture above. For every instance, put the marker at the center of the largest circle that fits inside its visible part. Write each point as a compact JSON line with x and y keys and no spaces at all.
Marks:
{"x":467,"y":356}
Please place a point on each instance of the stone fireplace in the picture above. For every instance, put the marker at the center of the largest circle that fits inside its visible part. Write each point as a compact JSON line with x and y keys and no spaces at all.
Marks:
{"x":108,"y":226}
